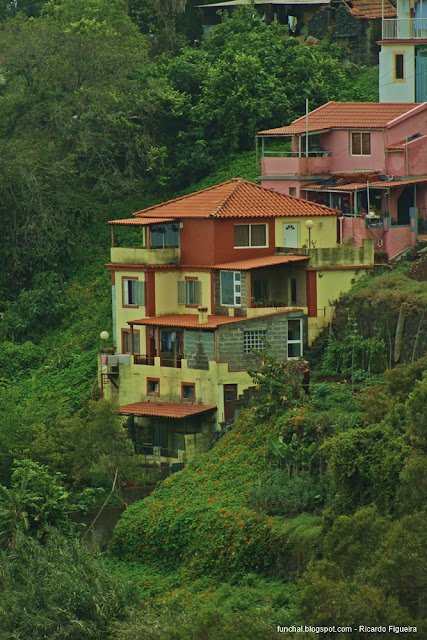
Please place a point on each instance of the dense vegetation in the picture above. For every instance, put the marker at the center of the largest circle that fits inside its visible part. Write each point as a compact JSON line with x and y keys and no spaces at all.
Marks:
{"x":306,"y":512}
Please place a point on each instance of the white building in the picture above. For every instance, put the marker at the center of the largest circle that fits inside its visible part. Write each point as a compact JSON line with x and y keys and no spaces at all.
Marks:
{"x":403,"y":56}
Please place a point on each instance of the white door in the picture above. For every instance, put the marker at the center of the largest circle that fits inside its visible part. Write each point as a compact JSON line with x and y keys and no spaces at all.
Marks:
{"x":290,"y":235}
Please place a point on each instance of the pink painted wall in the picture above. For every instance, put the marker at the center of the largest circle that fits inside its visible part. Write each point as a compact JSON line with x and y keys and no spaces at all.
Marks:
{"x":411,"y":161}
{"x":396,"y":239}
{"x":392,"y":240}
{"x":338,"y":144}
{"x":313,"y":166}
{"x":284,"y":186}
{"x":403,"y":128}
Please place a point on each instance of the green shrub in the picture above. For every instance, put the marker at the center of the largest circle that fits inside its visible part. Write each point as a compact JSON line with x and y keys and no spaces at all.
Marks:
{"x":59,"y":590}
{"x":277,"y":494}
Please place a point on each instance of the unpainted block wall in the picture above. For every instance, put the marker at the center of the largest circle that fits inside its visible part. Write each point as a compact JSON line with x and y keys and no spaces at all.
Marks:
{"x":230,"y":340}
{"x":199,"y":348}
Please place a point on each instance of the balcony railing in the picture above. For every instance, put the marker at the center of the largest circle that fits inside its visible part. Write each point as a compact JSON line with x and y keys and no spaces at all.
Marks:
{"x":296,"y":154}
{"x":164,"y":362}
{"x":402,"y":28}
{"x":139,"y":359}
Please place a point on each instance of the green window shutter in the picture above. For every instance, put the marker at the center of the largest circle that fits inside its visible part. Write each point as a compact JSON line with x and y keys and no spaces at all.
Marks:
{"x":197,"y":292}
{"x":140,"y":293}
{"x":181,"y":292}
{"x":125,"y":292}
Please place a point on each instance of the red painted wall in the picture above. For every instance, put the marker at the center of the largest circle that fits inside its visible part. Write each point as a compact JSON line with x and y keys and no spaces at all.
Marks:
{"x":197,"y":242}
{"x":224,"y":240}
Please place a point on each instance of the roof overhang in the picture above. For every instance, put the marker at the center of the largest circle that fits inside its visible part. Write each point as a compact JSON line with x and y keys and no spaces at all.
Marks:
{"x":257,"y":263}
{"x":141,"y":221}
{"x":191,"y":321}
{"x":165,"y":409}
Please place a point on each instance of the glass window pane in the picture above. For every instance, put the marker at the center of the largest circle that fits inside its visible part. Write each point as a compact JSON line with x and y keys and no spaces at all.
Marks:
{"x":258,"y":235}
{"x":241,"y":235}
{"x":227,"y":287}
{"x":294,"y":329}
{"x":127,"y":342}
{"x":294,"y":350}
{"x":355,"y":144}
{"x":366,"y":144}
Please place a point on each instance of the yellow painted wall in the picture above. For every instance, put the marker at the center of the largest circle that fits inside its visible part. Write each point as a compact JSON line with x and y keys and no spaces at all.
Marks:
{"x":323,"y":233}
{"x":208,"y":384}
{"x":167,"y":291}
{"x":140,"y":255}
{"x":332,"y":283}
{"x":124,"y":314}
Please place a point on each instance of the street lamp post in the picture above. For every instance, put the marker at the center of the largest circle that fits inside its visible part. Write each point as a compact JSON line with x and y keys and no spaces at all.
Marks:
{"x":309,"y":224}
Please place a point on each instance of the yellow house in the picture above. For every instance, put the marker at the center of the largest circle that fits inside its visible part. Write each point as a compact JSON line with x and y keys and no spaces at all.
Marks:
{"x":204,"y":282}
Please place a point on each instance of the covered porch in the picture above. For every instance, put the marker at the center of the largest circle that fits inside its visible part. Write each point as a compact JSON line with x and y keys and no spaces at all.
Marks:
{"x":169,"y":433}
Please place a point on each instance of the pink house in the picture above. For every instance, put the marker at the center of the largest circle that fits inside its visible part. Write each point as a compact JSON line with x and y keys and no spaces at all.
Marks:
{"x":369,"y":160}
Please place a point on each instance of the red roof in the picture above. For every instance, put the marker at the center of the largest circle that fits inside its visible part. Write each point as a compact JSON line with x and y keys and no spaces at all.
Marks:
{"x":346,"y":115}
{"x":370,"y":9}
{"x":254,"y":263}
{"x":140,"y":221}
{"x":191,"y":321}
{"x":165,"y":409}
{"x":236,"y":198}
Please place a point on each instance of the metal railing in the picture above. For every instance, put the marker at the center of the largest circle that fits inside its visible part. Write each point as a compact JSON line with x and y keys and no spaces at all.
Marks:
{"x":297,"y":154}
{"x":141,"y":359}
{"x":401,"y":28}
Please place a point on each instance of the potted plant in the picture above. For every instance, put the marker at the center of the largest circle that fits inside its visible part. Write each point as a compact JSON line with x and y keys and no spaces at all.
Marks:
{"x":381,"y":257}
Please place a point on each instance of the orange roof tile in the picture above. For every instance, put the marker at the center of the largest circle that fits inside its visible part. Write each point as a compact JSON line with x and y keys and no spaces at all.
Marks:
{"x":140,"y":221}
{"x":236,"y":198}
{"x":370,"y":9}
{"x":191,"y":321}
{"x":346,"y":115}
{"x":165,"y":409}
{"x":254,"y":263}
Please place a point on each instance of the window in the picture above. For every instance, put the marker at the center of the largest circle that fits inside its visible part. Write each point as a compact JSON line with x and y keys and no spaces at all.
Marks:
{"x":250,"y":235}
{"x":153,"y":386}
{"x":188,"y":391}
{"x":292,"y":191}
{"x":133,"y":292}
{"x":231,"y":288}
{"x":254,"y":340}
{"x":295,"y":338}
{"x":164,"y":236}
{"x":260,"y":290}
{"x":293,"y":291}
{"x":398,"y":67}
{"x":189,"y":292}
{"x":360,"y":143}
{"x":126,"y":341}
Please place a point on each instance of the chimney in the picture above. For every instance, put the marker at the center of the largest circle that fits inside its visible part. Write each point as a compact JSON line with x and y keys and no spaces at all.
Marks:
{"x":203,"y":315}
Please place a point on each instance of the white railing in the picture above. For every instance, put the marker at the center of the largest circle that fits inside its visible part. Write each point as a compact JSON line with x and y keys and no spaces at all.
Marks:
{"x":297,"y":154}
{"x":402,"y":28}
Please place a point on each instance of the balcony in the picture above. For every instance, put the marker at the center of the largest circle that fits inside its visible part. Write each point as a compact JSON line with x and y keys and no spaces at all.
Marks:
{"x":140,"y":255}
{"x":290,"y":163}
{"x":404,"y":28}
{"x":151,"y":361}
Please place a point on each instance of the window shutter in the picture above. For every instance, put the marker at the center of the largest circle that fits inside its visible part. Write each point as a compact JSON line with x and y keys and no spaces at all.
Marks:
{"x":181,"y":292}
{"x":197,"y":292}
{"x":140,"y":293}
{"x":125,"y":292}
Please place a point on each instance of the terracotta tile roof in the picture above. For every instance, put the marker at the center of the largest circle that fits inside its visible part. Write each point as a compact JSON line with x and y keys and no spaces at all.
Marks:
{"x":370,"y":9}
{"x":254,"y":263}
{"x":346,"y":115}
{"x":165,"y":409}
{"x":191,"y":321}
{"x":236,"y":198}
{"x":397,"y":146}
{"x":140,"y":221}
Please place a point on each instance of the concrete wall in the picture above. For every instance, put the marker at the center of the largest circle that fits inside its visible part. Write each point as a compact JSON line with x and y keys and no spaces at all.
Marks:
{"x":199,"y":348}
{"x":392,"y":239}
{"x":139,"y":255}
{"x":230,"y":339}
